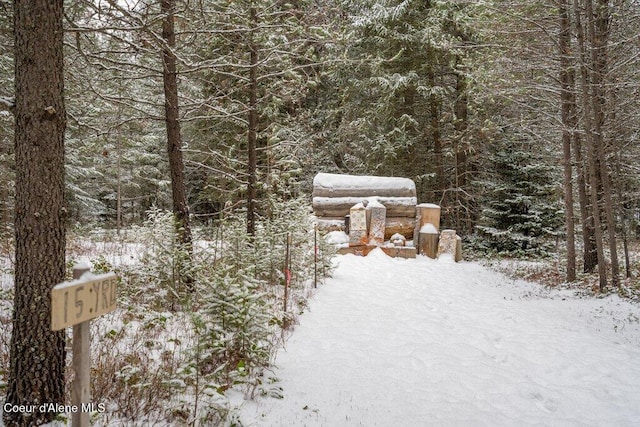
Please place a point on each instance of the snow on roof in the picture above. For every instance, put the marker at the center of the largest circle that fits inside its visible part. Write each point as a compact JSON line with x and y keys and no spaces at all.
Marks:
{"x":394,"y":201}
{"x":331,"y":181}
{"x":373,"y":202}
{"x":428,"y":205}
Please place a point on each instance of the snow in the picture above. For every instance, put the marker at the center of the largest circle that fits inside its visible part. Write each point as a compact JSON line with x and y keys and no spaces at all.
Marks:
{"x":429,"y":205}
{"x":337,"y":237}
{"x":413,"y":342}
{"x":82,"y":265}
{"x":332,"y":181}
{"x":428,"y":228}
{"x":374,"y":202}
{"x":86,"y":277}
{"x":397,"y":237}
{"x":323,"y":202}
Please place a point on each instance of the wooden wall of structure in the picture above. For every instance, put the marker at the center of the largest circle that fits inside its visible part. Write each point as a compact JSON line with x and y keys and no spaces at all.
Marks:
{"x":334,"y":194}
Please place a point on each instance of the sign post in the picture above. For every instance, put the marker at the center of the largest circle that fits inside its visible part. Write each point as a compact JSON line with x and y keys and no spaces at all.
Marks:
{"x":75,"y":303}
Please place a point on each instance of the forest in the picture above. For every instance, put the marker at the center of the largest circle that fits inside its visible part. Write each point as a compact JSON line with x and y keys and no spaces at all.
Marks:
{"x":175,"y":142}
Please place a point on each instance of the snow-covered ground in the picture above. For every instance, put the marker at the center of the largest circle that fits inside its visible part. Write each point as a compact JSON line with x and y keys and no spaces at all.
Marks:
{"x":395,"y":342}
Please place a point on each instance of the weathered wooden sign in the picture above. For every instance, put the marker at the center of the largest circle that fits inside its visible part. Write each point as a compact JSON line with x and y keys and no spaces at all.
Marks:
{"x":80,"y":300}
{"x":75,"y":303}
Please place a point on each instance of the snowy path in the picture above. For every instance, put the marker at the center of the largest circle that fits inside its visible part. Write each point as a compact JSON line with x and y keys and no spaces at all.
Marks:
{"x":393,"y":342}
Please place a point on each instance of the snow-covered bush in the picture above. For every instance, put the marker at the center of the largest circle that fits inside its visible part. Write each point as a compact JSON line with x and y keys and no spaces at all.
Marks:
{"x":241,"y":292}
{"x":169,"y":353}
{"x":233,"y":329}
{"x":164,"y":264}
{"x":6,"y":297}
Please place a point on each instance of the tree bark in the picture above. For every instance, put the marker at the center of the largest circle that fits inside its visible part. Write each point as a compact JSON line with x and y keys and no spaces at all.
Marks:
{"x":436,"y":137}
{"x":5,"y":202}
{"x":37,"y":361}
{"x":589,"y":256}
{"x":118,"y":182}
{"x":174,"y":137}
{"x":567,"y":128}
{"x":591,"y":150}
{"x":252,"y":135}
{"x":597,"y":21}
{"x":463,"y":220}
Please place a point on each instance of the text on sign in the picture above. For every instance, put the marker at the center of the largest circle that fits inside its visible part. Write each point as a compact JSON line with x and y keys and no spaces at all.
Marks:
{"x":81,"y":300}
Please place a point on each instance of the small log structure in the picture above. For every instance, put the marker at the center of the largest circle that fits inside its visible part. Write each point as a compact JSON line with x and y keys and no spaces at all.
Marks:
{"x":373,"y":209}
{"x":335,"y":194}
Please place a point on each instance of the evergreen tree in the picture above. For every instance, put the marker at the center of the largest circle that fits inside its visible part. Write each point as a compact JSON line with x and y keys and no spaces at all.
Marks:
{"x":260,"y":68}
{"x":117,"y":167}
{"x":398,"y":102}
{"x":522,"y":210}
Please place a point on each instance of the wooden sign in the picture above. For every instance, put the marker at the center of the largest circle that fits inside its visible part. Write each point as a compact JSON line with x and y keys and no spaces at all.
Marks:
{"x":81,"y":300}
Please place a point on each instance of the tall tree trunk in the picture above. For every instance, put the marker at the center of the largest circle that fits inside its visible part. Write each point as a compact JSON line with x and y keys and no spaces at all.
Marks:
{"x":174,"y":138}
{"x":597,"y":21}
{"x":36,"y":371}
{"x":591,"y":150}
{"x":252,"y":134}
{"x":436,"y":137}
{"x":590,"y":256}
{"x":118,"y":182}
{"x":567,"y":129}
{"x":463,"y":219}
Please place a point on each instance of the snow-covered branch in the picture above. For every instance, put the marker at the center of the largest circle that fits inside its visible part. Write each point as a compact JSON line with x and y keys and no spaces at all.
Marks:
{"x":7,"y":104}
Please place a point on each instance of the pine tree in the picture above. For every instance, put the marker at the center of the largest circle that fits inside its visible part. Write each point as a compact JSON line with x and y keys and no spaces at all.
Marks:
{"x":399,"y":105}
{"x":115,"y":156}
{"x":260,"y":65}
{"x":522,"y":210}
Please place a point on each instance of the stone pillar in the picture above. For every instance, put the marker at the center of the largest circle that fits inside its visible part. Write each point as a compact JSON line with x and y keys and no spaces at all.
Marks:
{"x":448,"y":243}
{"x":376,"y":213}
{"x":358,"y":225}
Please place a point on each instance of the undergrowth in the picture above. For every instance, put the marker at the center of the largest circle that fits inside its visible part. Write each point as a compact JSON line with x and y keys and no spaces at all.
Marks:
{"x":171,"y":353}
{"x":6,"y":302}
{"x":550,"y":271}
